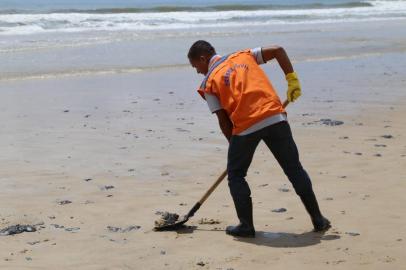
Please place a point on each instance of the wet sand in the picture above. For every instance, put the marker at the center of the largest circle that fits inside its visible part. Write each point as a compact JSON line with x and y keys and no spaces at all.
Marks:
{"x":90,"y":159}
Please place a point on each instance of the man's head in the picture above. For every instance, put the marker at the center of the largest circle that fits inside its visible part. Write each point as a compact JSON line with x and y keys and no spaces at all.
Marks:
{"x":199,"y":56}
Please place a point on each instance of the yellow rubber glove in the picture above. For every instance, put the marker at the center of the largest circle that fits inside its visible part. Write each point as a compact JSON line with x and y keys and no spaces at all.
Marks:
{"x":294,"y":89}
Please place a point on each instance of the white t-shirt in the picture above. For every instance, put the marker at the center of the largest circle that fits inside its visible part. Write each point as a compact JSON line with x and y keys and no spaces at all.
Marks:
{"x":214,"y":103}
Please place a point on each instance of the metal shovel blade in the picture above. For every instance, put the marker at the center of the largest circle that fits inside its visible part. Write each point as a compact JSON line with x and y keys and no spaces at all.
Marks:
{"x":173,"y":226}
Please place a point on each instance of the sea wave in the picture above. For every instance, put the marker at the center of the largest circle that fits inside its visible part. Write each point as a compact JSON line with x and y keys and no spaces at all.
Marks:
{"x":212,"y":8}
{"x":163,"y":18}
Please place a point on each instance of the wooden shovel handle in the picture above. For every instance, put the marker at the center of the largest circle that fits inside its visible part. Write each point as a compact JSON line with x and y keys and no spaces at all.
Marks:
{"x":286,"y":103}
{"x":213,"y":187}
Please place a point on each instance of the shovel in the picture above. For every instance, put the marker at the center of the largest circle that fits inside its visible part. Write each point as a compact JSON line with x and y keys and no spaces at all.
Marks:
{"x":178,"y":224}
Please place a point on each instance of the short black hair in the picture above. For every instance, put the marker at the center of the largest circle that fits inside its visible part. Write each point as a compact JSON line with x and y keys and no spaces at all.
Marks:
{"x":199,"y":48}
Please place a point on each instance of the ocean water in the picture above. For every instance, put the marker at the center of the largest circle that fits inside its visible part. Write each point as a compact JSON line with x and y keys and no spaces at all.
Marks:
{"x":96,"y":4}
{"x":22,"y":17}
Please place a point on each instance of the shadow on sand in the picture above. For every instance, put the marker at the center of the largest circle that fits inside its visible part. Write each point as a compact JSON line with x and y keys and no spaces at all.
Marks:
{"x":186,"y":229}
{"x":274,"y":239}
{"x":287,"y":240}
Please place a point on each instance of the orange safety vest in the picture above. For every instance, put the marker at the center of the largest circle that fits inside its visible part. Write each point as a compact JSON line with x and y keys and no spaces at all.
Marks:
{"x":243,"y":89}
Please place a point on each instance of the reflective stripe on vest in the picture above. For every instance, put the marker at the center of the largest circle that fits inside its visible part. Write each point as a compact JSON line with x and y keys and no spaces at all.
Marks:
{"x":216,"y":64}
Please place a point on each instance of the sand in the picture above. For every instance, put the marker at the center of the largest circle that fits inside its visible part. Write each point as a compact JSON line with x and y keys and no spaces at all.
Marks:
{"x":92,"y":158}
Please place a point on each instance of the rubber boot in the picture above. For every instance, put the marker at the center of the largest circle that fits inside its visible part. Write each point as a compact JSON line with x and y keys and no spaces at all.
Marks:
{"x":244,"y":213}
{"x":320,"y":223}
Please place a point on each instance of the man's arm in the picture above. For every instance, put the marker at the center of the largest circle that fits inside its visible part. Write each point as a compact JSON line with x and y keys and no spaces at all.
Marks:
{"x":277,"y":52}
{"x":225,"y":123}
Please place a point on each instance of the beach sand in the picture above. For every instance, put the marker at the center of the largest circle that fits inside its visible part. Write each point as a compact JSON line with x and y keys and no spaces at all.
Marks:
{"x":82,"y":156}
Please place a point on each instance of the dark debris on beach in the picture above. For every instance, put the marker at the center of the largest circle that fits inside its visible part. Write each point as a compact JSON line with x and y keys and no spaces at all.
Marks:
{"x":122,"y":230}
{"x":17,"y":229}
{"x":326,"y":122}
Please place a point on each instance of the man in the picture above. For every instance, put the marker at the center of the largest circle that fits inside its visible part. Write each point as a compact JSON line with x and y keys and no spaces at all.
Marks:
{"x":249,"y":110}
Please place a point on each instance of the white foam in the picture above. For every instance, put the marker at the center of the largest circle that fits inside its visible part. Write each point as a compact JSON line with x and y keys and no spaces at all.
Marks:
{"x":73,"y":22}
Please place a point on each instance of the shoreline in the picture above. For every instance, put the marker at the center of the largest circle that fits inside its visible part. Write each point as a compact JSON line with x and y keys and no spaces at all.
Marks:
{"x":131,"y":70}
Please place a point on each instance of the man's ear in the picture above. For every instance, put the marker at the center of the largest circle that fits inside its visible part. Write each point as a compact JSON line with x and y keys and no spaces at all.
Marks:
{"x":203,"y":59}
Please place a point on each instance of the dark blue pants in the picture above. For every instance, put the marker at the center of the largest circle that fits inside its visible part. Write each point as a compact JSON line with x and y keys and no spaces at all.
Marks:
{"x":278,"y":138}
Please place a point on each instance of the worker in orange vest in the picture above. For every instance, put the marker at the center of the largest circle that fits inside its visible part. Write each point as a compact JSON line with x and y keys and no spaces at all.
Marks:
{"x":249,"y":110}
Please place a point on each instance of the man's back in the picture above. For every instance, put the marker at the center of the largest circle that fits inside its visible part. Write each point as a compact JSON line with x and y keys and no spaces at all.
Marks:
{"x":243,"y":90}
